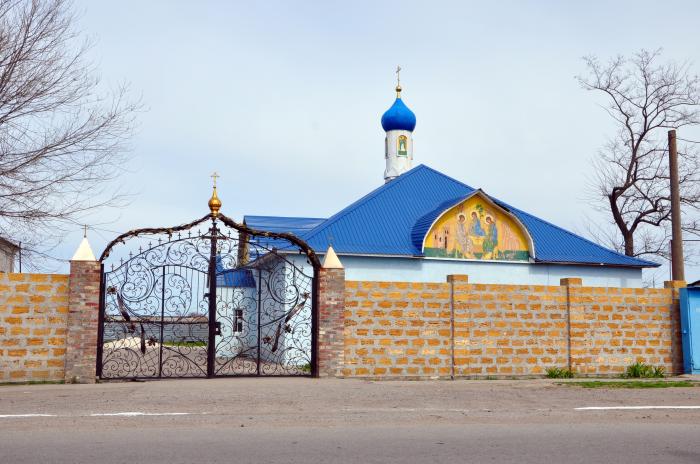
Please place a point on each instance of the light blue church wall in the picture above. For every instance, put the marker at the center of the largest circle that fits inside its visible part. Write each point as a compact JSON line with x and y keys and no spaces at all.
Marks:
{"x":436,"y":270}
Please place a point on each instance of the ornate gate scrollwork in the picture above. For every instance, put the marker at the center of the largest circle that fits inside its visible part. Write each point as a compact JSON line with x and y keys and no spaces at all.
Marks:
{"x":227,"y":300}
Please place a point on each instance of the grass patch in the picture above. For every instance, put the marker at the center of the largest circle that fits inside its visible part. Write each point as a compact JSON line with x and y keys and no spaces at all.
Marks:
{"x":633,"y":384}
{"x":640,"y":370}
{"x":559,"y":373}
{"x":186,"y":343}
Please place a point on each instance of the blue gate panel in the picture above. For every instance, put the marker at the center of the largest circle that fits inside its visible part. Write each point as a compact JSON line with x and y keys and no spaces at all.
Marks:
{"x":690,"y":329}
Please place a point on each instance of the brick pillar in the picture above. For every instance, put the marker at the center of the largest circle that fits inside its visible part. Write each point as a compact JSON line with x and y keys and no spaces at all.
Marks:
{"x":677,"y":343}
{"x":571,"y":284}
{"x":331,"y":321}
{"x":83,"y":313}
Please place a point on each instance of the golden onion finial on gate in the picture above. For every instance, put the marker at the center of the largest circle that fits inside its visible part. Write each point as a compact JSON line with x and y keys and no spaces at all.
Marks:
{"x":214,"y":202}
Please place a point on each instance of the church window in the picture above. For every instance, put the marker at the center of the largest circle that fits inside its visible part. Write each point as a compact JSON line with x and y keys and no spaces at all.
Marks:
{"x":238,"y":321}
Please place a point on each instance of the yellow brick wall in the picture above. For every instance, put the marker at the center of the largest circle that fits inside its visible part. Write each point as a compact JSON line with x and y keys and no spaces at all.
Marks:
{"x":509,"y":329}
{"x":614,"y":327}
{"x":422,"y":330}
{"x":397,"y":329}
{"x":33,"y":325}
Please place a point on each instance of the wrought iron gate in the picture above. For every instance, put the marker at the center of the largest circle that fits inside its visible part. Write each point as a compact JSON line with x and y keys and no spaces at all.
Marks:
{"x":223,"y":301}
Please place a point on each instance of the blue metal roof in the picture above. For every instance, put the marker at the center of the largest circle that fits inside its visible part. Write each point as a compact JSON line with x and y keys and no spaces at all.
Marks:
{"x":380,"y":223}
{"x":242,"y":278}
{"x":295,"y":225}
{"x":556,"y":245}
{"x":393,"y":219}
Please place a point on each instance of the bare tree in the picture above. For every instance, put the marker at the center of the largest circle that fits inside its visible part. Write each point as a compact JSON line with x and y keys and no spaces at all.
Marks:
{"x":645,"y":99}
{"x":61,"y":140}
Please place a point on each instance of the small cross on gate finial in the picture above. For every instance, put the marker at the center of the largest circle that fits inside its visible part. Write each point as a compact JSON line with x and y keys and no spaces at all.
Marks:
{"x":214,"y":176}
{"x":85,"y":228}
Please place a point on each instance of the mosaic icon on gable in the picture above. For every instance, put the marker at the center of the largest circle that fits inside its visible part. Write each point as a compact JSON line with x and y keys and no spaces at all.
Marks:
{"x":477,"y":229}
{"x":402,"y":145}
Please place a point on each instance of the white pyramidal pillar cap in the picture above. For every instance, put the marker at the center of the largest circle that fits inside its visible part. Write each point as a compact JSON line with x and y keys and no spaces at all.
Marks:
{"x":84,"y":252}
{"x":331,"y":261}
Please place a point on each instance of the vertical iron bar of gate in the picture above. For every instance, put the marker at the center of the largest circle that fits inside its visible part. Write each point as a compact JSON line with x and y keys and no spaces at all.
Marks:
{"x":259,"y":330}
{"x":101,"y":322}
{"x":211,"y":344}
{"x":162,"y":318}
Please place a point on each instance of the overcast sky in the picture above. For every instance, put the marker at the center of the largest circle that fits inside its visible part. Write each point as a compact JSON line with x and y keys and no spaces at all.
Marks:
{"x":284,"y":99}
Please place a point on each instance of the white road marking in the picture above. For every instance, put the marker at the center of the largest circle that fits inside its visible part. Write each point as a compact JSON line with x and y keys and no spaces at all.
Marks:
{"x":135,"y":414}
{"x":609,"y":408}
{"x":105,"y":414}
{"x":402,"y":410}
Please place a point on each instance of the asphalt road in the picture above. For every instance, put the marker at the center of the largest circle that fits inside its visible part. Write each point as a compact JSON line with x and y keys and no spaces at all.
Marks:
{"x":303,"y":420}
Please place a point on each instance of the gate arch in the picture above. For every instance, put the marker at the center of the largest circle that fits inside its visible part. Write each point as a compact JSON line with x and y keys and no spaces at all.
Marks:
{"x":206,"y":299}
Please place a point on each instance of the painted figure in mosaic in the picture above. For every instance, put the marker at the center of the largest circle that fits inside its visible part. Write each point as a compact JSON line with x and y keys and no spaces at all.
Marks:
{"x":465,"y":243}
{"x":508,"y":240}
{"x":475,"y":228}
{"x":491,"y":240}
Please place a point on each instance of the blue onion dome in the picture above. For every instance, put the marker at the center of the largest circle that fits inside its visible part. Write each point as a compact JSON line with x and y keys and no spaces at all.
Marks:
{"x":399,"y":117}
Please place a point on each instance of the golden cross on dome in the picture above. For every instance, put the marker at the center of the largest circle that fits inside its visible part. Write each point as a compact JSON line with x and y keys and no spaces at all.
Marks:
{"x":398,"y":82}
{"x":214,"y":202}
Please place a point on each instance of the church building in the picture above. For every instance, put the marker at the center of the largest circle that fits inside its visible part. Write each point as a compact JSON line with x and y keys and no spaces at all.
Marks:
{"x":423,"y":225}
